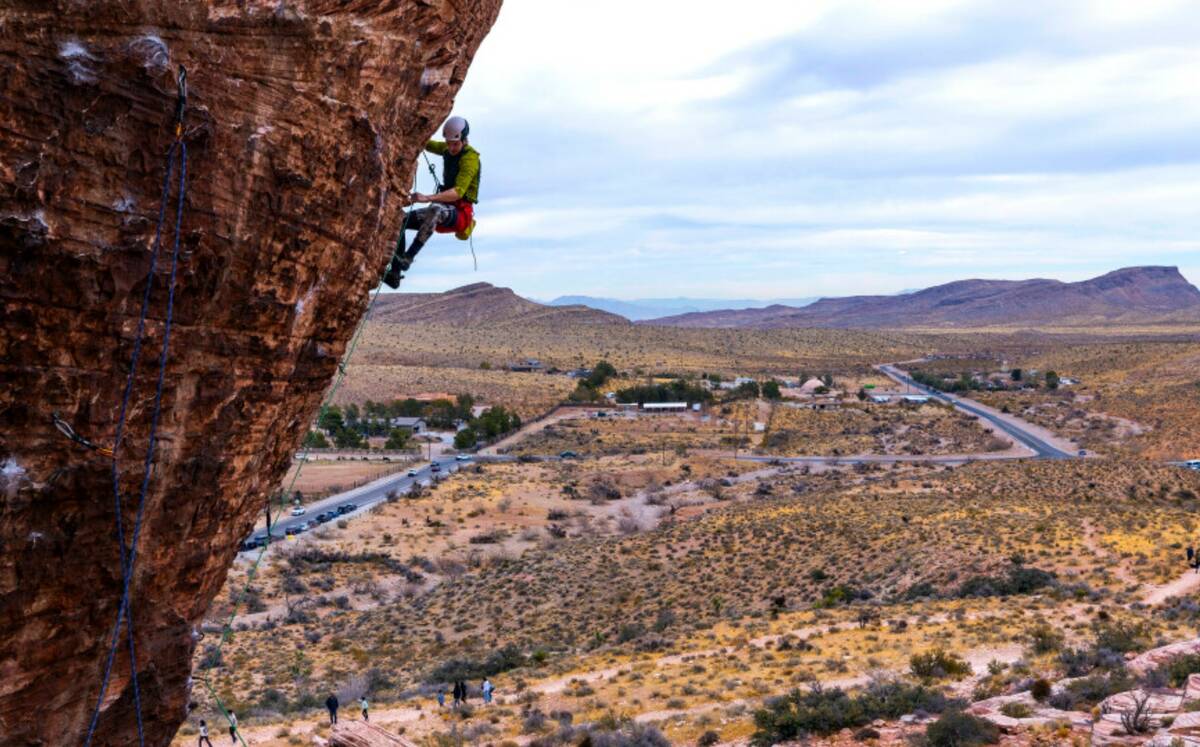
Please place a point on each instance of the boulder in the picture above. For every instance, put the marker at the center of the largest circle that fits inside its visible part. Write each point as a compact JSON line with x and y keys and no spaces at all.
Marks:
{"x":364,"y":734}
{"x":1156,"y":657}
{"x":303,"y":124}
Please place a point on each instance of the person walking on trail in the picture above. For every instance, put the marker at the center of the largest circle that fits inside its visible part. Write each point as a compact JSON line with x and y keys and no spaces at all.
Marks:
{"x":451,"y":209}
{"x":441,"y":697}
{"x":203,"y":735}
{"x":332,"y":704}
{"x":463,"y":686}
{"x":362,"y":702}
{"x":458,"y":695}
{"x":487,"y":687}
{"x":233,"y":735}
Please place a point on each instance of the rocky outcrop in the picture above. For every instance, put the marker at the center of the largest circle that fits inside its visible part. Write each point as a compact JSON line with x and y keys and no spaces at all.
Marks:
{"x":363,"y":734}
{"x":481,"y":304}
{"x":303,"y":124}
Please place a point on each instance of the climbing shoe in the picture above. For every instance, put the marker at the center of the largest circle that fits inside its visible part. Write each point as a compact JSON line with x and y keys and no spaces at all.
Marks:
{"x":396,"y":269}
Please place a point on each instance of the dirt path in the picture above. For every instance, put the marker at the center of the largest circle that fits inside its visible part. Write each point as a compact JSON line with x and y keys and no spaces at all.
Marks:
{"x":1185,"y":584}
{"x":525,"y":431}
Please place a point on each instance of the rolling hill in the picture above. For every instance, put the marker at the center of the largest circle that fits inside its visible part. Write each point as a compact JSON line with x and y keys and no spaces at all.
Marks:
{"x":481,"y":304}
{"x":1133,"y":295}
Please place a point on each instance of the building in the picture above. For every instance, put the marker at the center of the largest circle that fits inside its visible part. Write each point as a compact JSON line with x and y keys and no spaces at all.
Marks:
{"x":412,"y":425}
{"x":529,"y":365}
{"x":881,"y":398}
{"x":665,"y":406}
{"x":916,"y":398}
{"x":579,"y":373}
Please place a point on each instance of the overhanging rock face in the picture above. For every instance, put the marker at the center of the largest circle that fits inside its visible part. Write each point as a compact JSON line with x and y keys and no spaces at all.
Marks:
{"x":304,"y":119}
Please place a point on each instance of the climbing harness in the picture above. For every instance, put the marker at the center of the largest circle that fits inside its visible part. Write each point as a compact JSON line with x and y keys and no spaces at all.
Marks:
{"x":65,"y":428}
{"x":462,"y":230}
{"x":129,"y":555}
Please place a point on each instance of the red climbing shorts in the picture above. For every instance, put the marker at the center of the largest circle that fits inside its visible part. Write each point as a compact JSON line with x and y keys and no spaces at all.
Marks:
{"x":465,"y":213}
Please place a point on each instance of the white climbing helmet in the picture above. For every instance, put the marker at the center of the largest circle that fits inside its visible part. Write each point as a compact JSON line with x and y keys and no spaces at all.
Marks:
{"x":456,"y":128}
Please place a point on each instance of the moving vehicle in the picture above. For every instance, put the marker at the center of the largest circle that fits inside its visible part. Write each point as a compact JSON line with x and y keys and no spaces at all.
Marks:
{"x":299,"y":511}
{"x":346,"y":508}
{"x":435,"y":467}
{"x":568,"y":454}
{"x":412,"y":473}
{"x":303,"y":526}
{"x":462,"y":457}
{"x":1192,"y":464}
{"x":324,"y":516}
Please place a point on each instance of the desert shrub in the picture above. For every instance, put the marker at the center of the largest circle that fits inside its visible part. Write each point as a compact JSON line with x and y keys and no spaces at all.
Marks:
{"x":1122,"y":637}
{"x":1020,"y":580}
{"x":1044,"y":639}
{"x":937,"y":664}
{"x":821,"y":711}
{"x":958,"y":729}
{"x":708,"y":739}
{"x":1078,"y":662}
{"x":922,"y":589}
{"x":866,"y":733}
{"x":1177,"y":670}
{"x":501,"y":660}
{"x":1016,"y":710}
{"x":1040,"y":689}
{"x":1088,"y":691}
{"x":607,"y":732}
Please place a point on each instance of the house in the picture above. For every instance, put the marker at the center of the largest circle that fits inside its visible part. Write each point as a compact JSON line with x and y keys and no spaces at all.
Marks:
{"x":412,"y":425}
{"x":665,"y":406}
{"x":812,"y":385}
{"x":915,"y":398}
{"x":579,"y":373}
{"x":529,"y":365}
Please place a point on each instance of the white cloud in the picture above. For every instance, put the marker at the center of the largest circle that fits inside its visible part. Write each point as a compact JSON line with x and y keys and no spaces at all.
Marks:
{"x":774,"y":149}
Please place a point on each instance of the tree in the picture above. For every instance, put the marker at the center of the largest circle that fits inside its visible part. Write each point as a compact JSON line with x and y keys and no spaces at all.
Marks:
{"x":316,"y":440}
{"x":828,"y":380}
{"x":397,"y":440}
{"x":331,"y":419}
{"x":862,"y":394}
{"x":466,"y":438}
{"x":1051,"y":380}
{"x":770,"y":390}
{"x":352,"y":415}
{"x":347,"y":439}
{"x":600,"y":375}
{"x":463,"y":405}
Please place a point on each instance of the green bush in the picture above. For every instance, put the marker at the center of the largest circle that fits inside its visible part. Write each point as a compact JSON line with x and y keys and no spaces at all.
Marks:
{"x":1016,"y":710}
{"x":937,"y":664}
{"x":1178,"y":669}
{"x":1040,"y":689}
{"x":958,"y":729}
{"x":823,"y":712}
{"x":1122,"y":637}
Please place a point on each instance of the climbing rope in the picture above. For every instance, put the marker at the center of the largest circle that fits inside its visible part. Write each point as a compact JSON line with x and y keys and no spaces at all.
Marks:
{"x":129,"y":556}
{"x":227,"y":629}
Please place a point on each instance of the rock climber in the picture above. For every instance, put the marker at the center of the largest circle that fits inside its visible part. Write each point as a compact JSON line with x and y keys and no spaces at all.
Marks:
{"x":452,"y":208}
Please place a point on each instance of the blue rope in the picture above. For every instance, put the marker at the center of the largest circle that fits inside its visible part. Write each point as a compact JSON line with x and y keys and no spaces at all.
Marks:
{"x":129,"y":557}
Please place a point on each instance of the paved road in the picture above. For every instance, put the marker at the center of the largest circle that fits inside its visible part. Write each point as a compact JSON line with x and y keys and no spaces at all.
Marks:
{"x":365,"y":496}
{"x":1013,"y":429}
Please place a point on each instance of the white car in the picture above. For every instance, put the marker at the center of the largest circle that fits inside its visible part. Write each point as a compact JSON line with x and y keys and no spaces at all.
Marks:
{"x":462,"y":457}
{"x":1192,"y":464}
{"x":299,"y":511}
{"x":412,"y":473}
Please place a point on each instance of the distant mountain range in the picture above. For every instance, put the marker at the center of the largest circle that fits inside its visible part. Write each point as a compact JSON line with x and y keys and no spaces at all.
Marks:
{"x":638,"y":309}
{"x":1134,"y":295}
{"x":1127,"y":296}
{"x":478,"y":304}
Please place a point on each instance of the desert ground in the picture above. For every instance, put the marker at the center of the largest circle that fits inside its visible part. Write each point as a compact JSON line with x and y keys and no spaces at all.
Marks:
{"x":655,"y":582}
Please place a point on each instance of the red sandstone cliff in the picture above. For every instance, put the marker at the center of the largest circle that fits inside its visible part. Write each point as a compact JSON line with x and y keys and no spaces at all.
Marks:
{"x":304,"y":120}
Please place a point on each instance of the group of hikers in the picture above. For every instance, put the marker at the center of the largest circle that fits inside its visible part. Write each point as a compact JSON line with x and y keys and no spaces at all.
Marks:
{"x":332,"y":704}
{"x":460,"y":690}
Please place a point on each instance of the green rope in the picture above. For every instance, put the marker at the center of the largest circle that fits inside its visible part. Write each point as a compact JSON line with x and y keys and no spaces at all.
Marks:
{"x":337,"y":383}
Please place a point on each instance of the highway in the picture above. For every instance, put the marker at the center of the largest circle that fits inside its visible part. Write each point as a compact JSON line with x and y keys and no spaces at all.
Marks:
{"x":1011,"y":426}
{"x":364,"y":496}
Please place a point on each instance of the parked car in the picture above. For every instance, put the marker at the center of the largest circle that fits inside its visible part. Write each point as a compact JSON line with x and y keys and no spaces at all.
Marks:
{"x":303,"y":526}
{"x":435,"y":467}
{"x":250,"y":544}
{"x":299,"y":511}
{"x":324,"y":516}
{"x":346,"y":508}
{"x":412,"y":473}
{"x":1192,"y":464}
{"x":291,"y":531}
{"x":462,"y":457}
{"x":568,"y":454}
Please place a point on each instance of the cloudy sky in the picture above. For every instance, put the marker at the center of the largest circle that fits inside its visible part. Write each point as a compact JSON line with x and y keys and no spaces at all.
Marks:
{"x":827,"y":147}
